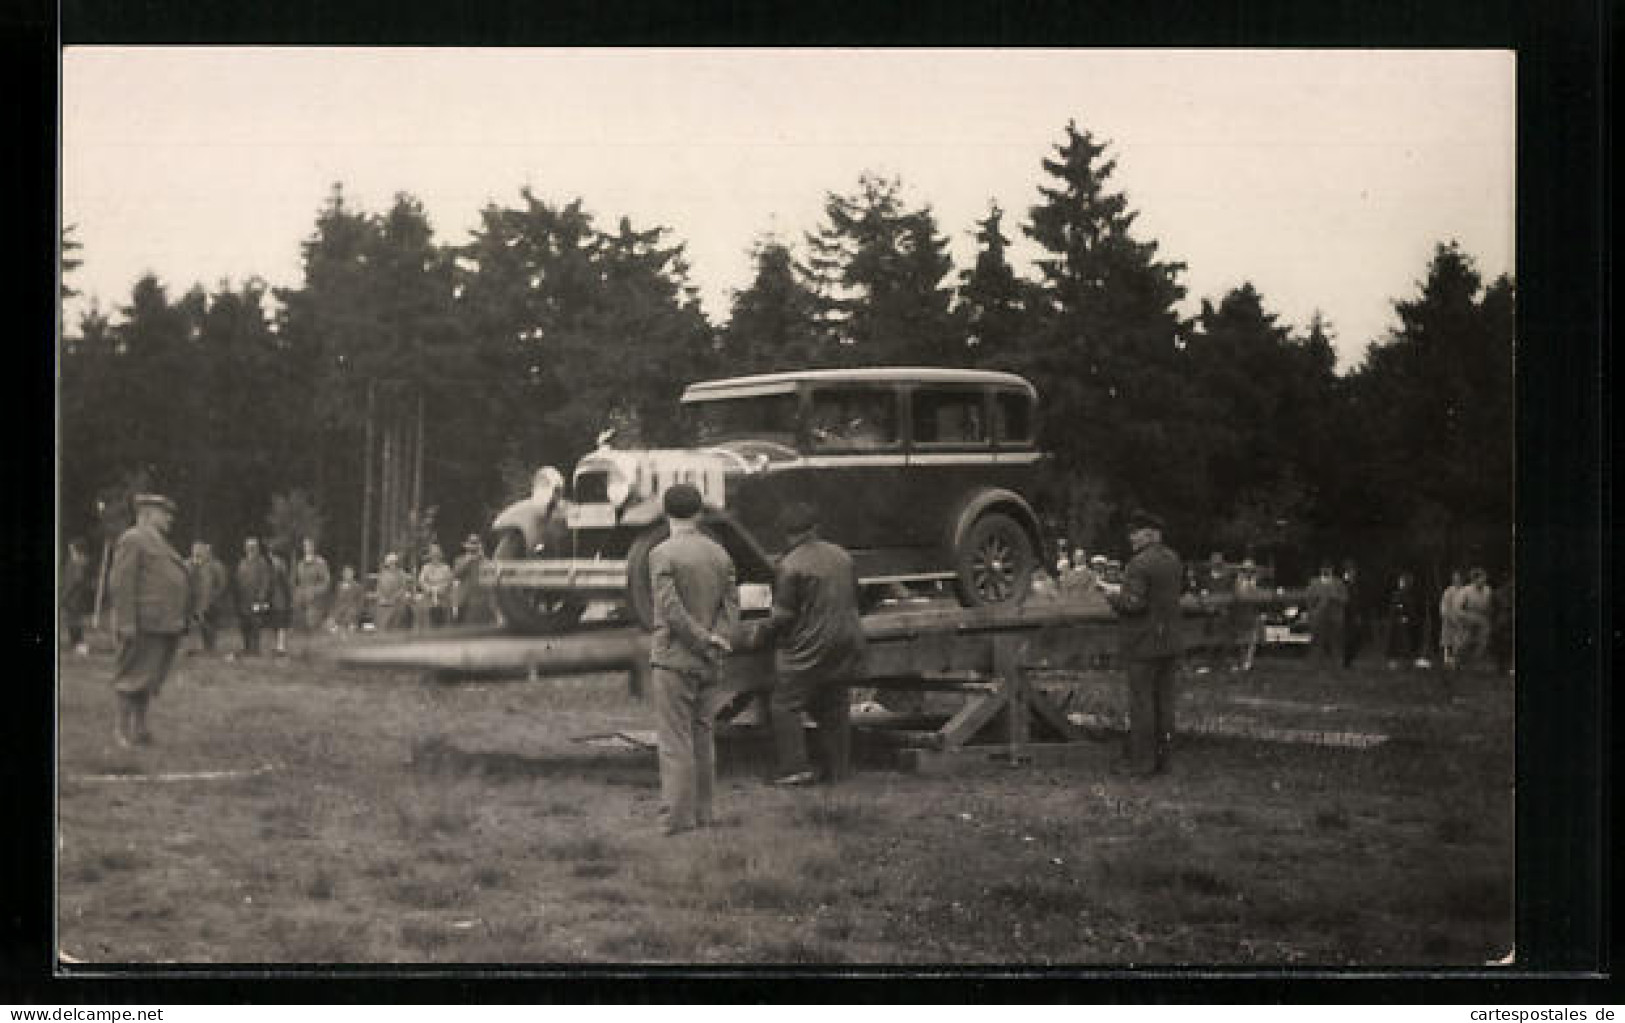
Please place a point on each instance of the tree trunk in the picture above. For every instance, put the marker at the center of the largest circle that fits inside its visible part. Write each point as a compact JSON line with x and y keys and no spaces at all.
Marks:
{"x":366,"y":484}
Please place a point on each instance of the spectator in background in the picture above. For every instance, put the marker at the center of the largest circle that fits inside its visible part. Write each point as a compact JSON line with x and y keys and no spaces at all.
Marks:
{"x":1404,"y":622}
{"x":349,"y":597}
{"x":1078,"y":581}
{"x":254,"y":585}
{"x":1149,"y":645}
{"x":311,"y":582}
{"x":1246,"y":616}
{"x":1474,"y":603}
{"x":76,"y":595}
{"x":281,"y":613}
{"x":151,"y":597}
{"x":1327,"y":599}
{"x":1503,"y":613}
{"x":1450,"y":621}
{"x":1354,"y":623}
{"x":208,"y":587}
{"x":435,"y":579}
{"x":394,"y":594}
{"x":1216,"y":578}
{"x":469,"y":601}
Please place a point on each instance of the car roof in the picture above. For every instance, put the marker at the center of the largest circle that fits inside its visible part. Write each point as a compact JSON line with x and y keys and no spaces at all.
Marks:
{"x":768,"y":383}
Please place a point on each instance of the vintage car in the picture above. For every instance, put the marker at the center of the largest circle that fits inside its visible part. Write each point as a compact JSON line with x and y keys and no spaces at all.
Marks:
{"x":921,"y":474}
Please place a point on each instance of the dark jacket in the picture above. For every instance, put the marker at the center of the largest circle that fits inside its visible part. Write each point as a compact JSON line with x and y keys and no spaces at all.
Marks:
{"x":150,"y":584}
{"x":253,"y":583}
{"x":1149,"y":604}
{"x":815,"y":614}
{"x":76,"y":591}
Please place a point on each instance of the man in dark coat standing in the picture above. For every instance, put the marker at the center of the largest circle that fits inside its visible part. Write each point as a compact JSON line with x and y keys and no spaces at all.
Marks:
{"x":820,"y":649}
{"x":1149,"y":643}
{"x":254,"y":585}
{"x":151,"y":605}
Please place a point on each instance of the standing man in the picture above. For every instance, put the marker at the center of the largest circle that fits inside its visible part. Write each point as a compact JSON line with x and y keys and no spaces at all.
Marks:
{"x":254,"y":586}
{"x":1328,"y":602}
{"x":820,"y":649}
{"x":1355,"y":614}
{"x":76,"y":590}
{"x":469,"y":602}
{"x":151,"y":598}
{"x":311,"y":580}
{"x":1149,"y":644}
{"x":1475,"y":602}
{"x":696,"y":611}
{"x":393,"y":595}
{"x":435,"y":579}
{"x":205,"y":582}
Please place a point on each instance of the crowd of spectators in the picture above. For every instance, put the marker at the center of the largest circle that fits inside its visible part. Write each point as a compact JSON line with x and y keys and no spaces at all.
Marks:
{"x":268,"y":596}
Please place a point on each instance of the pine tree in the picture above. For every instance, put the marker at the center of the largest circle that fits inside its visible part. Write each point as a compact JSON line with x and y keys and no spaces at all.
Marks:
{"x":774,"y":322}
{"x":1106,"y":345}
{"x":990,"y":295}
{"x":878,"y":268}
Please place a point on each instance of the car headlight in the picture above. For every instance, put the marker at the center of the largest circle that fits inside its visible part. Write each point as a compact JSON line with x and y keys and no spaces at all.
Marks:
{"x":618,"y":491}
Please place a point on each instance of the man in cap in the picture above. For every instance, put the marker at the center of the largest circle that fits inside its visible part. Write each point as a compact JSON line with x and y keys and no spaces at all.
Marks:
{"x":696,"y":612}
{"x":151,"y":604}
{"x":1149,"y":643}
{"x":468,"y":599}
{"x":820,"y":648}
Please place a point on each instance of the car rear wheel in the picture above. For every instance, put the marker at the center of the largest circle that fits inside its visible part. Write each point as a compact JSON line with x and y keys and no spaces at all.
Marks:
{"x":994,"y":562}
{"x":529,"y":610}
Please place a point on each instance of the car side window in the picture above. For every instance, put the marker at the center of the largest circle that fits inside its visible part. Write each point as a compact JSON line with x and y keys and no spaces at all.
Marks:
{"x":1012,"y":418}
{"x":949,"y":417}
{"x":855,"y":419}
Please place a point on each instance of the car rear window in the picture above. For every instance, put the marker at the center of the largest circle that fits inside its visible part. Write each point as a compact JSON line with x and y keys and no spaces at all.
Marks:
{"x":949,"y":417}
{"x":855,"y":419}
{"x":1013,"y":417}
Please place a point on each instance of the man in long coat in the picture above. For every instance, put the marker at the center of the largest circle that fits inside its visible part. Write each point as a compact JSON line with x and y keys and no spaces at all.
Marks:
{"x":819,"y":649}
{"x":151,"y":604}
{"x":254,"y":585}
{"x":1149,"y":643}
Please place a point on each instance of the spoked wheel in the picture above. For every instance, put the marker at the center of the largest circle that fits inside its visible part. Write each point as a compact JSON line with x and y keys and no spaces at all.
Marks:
{"x":995,"y":562}
{"x":530,"y":610}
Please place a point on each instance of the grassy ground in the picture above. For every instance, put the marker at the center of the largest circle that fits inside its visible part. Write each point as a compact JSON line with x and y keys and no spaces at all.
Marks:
{"x":401,"y":821}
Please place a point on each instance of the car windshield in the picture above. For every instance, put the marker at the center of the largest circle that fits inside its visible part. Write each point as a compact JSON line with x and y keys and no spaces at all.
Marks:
{"x":770,"y":417}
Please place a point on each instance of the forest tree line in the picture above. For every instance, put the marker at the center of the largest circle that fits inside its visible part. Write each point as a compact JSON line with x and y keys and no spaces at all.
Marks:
{"x":260,"y":409}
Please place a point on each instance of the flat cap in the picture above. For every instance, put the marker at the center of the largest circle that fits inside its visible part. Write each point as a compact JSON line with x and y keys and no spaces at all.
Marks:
{"x":798,"y":517}
{"x":682,"y":501}
{"x":1139,"y":518}
{"x":155,"y":501}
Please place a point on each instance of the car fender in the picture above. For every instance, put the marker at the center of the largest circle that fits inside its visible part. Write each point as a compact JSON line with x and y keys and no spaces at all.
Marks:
{"x":529,"y":516}
{"x":752,"y":562}
{"x":978,"y":502}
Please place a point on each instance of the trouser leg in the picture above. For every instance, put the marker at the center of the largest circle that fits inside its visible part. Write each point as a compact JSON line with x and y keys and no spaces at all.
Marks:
{"x":709,"y":700}
{"x":790,"y":697}
{"x":1142,"y":716}
{"x":1163,"y":684}
{"x":674,"y":703}
{"x":833,"y":713}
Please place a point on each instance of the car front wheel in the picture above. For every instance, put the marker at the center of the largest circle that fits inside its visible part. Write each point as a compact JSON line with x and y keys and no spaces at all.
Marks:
{"x":994,"y":562}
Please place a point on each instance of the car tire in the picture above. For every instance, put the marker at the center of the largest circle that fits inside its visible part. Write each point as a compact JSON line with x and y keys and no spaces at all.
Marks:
{"x":994,"y":562}
{"x":527,"y":610}
{"x":639,"y":588}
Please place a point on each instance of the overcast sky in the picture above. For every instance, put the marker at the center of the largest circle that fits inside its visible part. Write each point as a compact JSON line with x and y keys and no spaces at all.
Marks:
{"x":1324,"y":177}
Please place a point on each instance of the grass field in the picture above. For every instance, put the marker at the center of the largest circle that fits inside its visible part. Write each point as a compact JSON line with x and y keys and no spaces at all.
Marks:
{"x":292,"y":813}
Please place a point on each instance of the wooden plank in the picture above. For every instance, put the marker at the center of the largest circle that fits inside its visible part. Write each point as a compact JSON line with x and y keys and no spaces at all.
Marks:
{"x":975,"y":715}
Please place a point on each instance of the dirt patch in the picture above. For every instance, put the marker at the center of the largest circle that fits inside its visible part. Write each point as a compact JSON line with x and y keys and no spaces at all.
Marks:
{"x":408,"y":822}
